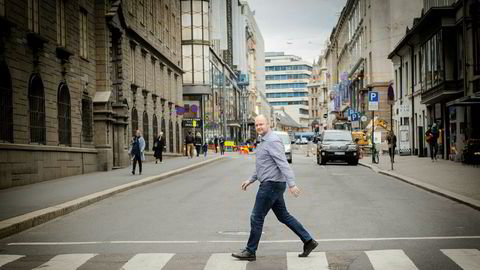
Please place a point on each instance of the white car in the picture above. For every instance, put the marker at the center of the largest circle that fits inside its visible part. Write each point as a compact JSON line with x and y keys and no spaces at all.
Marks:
{"x":287,"y":144}
{"x":304,"y":140}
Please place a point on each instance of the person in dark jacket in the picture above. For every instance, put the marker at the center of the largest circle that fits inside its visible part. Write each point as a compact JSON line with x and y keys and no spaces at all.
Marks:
{"x":189,"y":140}
{"x":215,"y":141}
{"x":198,"y":143}
{"x":137,"y":151}
{"x":432,"y":135}
{"x":158,"y":147}
{"x":392,"y":144}
{"x":205,"y":149}
{"x":221,"y":142}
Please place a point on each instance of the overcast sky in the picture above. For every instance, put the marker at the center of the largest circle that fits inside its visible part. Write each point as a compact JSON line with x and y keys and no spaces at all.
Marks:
{"x":298,"y":27}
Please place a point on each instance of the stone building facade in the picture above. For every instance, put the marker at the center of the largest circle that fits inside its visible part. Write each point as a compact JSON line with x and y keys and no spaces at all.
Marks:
{"x":78,"y":77}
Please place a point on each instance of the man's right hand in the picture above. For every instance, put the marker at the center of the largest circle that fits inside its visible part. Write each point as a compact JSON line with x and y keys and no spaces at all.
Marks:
{"x":245,"y":184}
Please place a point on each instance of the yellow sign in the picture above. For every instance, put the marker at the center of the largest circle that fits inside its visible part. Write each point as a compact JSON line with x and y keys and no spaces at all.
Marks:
{"x":194,"y":123}
{"x":229,"y":143}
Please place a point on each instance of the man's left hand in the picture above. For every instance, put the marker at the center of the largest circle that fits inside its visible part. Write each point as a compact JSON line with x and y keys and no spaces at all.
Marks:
{"x":295,"y":191}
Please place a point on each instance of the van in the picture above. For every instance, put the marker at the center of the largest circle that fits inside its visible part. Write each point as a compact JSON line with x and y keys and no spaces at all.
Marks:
{"x":286,"y":143}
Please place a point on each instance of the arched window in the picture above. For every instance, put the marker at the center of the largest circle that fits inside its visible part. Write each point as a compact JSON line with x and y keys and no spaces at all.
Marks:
{"x":178,"y":138}
{"x":87,"y":118}
{"x":170,"y":130}
{"x":64,"y":115}
{"x":134,"y":122}
{"x":155,"y":127}
{"x":145,"y":130}
{"x":6,"y":104}
{"x":36,"y":108}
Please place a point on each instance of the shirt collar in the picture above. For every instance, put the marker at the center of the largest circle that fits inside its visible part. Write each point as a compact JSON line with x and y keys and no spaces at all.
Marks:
{"x":266,"y":136}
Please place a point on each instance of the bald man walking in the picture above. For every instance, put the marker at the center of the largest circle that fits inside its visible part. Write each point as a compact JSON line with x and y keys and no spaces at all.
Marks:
{"x":274,"y":174}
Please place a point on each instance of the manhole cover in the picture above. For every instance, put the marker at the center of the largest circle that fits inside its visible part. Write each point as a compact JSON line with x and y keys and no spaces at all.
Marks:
{"x":236,"y":233}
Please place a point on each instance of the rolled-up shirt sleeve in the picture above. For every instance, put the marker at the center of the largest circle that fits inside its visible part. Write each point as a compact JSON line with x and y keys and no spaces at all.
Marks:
{"x":277,"y":152}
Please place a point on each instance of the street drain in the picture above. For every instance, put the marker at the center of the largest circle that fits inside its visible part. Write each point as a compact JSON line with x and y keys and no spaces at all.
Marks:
{"x":235,"y":233}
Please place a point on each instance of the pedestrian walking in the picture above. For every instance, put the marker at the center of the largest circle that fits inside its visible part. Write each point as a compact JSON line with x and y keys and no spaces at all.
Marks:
{"x":432,"y":137}
{"x":198,"y":143}
{"x":274,"y":174}
{"x":392,"y":144}
{"x":138,"y":148}
{"x":221,"y":142}
{"x":189,"y":141}
{"x":159,"y":147}
{"x":205,"y":149}
{"x":215,"y":141}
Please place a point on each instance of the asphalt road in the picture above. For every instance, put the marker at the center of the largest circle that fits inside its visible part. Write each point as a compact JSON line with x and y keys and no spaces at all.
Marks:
{"x":361,"y":219}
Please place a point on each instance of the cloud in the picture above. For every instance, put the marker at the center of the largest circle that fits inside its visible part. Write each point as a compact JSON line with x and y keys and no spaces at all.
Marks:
{"x":299,"y":27}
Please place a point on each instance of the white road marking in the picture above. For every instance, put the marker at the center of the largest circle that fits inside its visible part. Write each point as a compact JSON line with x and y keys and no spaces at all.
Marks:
{"x":4,"y":259}
{"x":148,"y":261}
{"x":390,"y":260}
{"x":66,"y":262}
{"x":243,"y":241}
{"x":315,"y":261}
{"x":222,"y":261}
{"x":467,"y":259}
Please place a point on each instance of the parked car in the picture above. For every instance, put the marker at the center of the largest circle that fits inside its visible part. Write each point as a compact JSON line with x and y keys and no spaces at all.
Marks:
{"x":286,"y":143}
{"x":303,"y":140}
{"x":337,"y":145}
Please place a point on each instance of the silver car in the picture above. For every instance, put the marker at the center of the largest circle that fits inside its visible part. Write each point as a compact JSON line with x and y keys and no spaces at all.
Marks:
{"x":286,"y":143}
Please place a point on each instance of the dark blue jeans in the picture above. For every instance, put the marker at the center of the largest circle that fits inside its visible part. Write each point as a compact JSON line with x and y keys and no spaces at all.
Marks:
{"x":270,"y":196}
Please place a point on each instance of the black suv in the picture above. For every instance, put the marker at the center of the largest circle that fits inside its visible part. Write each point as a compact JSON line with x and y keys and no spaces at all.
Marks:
{"x":336,"y":145}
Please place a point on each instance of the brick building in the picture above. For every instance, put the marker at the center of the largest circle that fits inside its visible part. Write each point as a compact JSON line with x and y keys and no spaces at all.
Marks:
{"x":78,"y":77}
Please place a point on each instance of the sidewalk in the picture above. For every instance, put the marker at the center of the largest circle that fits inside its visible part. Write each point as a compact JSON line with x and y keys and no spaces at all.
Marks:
{"x":27,"y":206}
{"x":447,"y":178}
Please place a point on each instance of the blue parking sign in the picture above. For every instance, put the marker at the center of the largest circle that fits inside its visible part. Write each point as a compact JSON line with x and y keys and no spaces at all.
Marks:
{"x":350,"y":112}
{"x":355,"y":116}
{"x":373,"y":96}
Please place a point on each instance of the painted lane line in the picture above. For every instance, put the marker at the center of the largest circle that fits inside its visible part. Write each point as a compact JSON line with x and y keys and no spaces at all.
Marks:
{"x":243,"y":241}
{"x":4,"y":259}
{"x":148,"y":261}
{"x":390,"y":260}
{"x":222,"y":261}
{"x":467,"y":259}
{"x":315,"y":261}
{"x":65,"y":262}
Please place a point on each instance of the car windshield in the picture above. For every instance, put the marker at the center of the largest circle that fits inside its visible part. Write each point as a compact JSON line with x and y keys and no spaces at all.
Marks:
{"x":284,"y":137}
{"x":337,"y":136}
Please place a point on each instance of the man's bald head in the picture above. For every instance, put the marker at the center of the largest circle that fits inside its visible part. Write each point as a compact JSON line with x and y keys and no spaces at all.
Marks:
{"x":262,"y":124}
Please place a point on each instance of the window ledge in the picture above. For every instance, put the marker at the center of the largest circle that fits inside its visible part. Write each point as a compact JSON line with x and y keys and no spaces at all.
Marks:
{"x":85,"y":59}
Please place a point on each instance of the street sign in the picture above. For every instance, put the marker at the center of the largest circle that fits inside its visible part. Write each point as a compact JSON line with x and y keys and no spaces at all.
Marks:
{"x":355,"y":117}
{"x":363,"y":118}
{"x":373,"y":101}
{"x":350,"y":111}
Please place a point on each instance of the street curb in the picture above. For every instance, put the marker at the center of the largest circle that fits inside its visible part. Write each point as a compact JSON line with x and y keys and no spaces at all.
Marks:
{"x":431,"y":188}
{"x":26,"y":221}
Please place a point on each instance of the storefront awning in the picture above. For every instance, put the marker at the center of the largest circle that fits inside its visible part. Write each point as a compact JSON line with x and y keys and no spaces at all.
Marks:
{"x":465,"y":101}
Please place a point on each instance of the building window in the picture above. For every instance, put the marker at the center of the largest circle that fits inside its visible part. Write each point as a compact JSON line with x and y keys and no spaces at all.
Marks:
{"x":36,"y":107}
{"x":141,"y":12}
{"x":476,"y":42}
{"x":87,"y":119}
{"x":132,"y":63}
{"x":2,"y":8}
{"x":170,"y":131}
{"x":33,"y":15}
{"x":152,"y":22}
{"x":64,"y":115}
{"x":407,"y":88}
{"x":155,"y":127}
{"x":163,"y":127}
{"x":134,"y":122}
{"x":146,"y":135}
{"x":144,"y":60}
{"x":6,"y":104}
{"x":178,"y":138}
{"x":61,"y":26}
{"x":83,"y":33}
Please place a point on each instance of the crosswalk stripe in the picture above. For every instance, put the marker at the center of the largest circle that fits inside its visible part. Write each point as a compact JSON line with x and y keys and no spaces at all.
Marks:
{"x":66,"y":262}
{"x":315,"y":261}
{"x":222,"y":261}
{"x":467,"y":259}
{"x":394,"y":259}
{"x":148,"y":261}
{"x":4,"y":259}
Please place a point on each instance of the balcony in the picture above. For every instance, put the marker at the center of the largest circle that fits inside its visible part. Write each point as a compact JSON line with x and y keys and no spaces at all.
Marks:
{"x":446,"y":90}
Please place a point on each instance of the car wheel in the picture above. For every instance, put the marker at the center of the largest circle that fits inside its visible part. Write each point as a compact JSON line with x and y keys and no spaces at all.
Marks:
{"x":323,"y":161}
{"x":353,"y":162}
{"x":289,"y":160}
